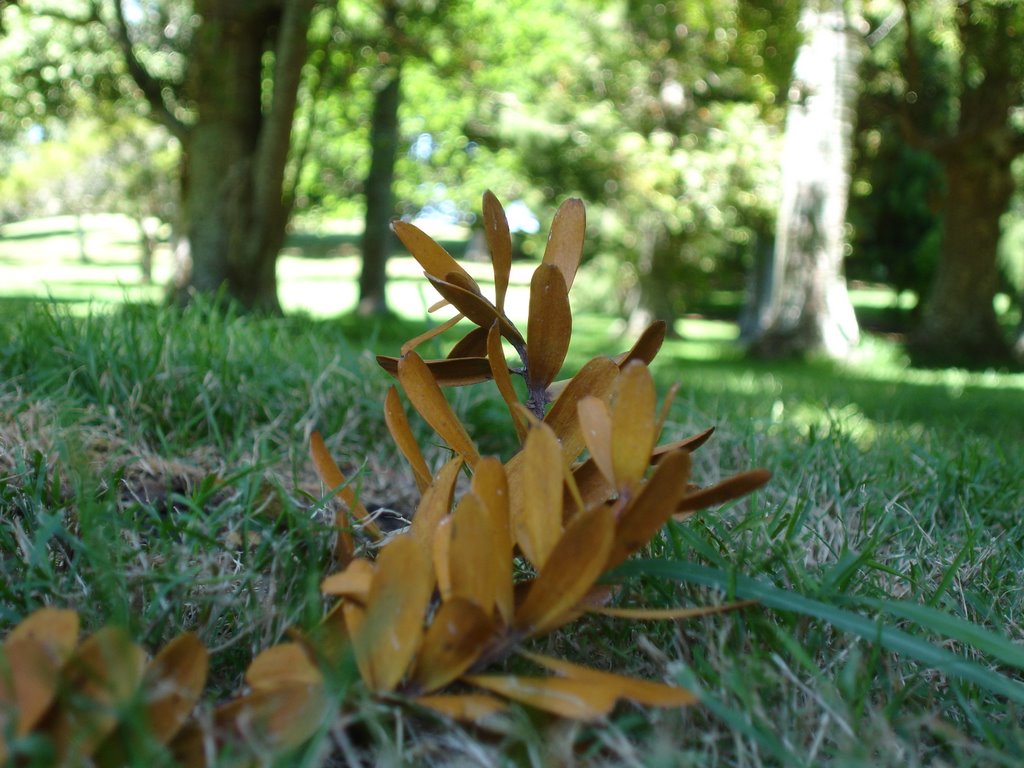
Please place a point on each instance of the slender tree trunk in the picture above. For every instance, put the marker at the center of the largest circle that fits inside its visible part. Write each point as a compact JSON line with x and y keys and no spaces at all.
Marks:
{"x":958,"y":323}
{"x":807,"y":307}
{"x":379,"y":201}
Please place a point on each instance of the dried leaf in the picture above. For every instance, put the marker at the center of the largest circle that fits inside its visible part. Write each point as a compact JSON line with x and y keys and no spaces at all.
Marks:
{"x":596,"y":378}
{"x":652,"y":507}
{"x":499,"y":241}
{"x":173,"y":683}
{"x":549,"y":326}
{"x":478,"y":309}
{"x":392,"y":628}
{"x":634,"y":429}
{"x":499,"y":371}
{"x":471,"y":554}
{"x":272,"y":720}
{"x":441,"y":552}
{"x":537,"y":522}
{"x":473,"y":344}
{"x":646,"y":692}
{"x":491,"y":487}
{"x":426,"y":397}
{"x":596,"y":422}
{"x":456,"y":372}
{"x":280,"y":666}
{"x":574,"y":699}
{"x":353,"y":582}
{"x":646,"y":347}
{"x":332,"y":477}
{"x":435,"y":504}
{"x":691,"y":443}
{"x":569,"y":573}
{"x":401,"y":433}
{"x":457,"y":635}
{"x":434,"y":259}
{"x":730,"y":488}
{"x":670,"y":614}
{"x":465,"y":707}
{"x":429,"y":334}
{"x":564,"y":248}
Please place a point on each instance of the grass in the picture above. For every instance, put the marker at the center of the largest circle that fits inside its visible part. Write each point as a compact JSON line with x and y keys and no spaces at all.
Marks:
{"x":153,"y":473}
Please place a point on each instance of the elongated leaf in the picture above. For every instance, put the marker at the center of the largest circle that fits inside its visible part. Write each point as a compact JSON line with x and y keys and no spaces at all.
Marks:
{"x":596,"y":378}
{"x":671,"y":614}
{"x":478,"y":310}
{"x":434,"y":259}
{"x":401,"y":433}
{"x":691,"y":444}
{"x":441,"y":552}
{"x":564,"y":248}
{"x":549,"y":327}
{"x":473,"y":344}
{"x":730,"y":488}
{"x":282,"y":665}
{"x":173,"y":683}
{"x":537,"y":523}
{"x":430,"y":403}
{"x":646,"y":692}
{"x":499,"y":371}
{"x":435,"y":504}
{"x":456,"y":637}
{"x":447,"y":372}
{"x":653,"y":506}
{"x":471,"y":554}
{"x":634,"y":426}
{"x":565,"y":697}
{"x":491,"y":486}
{"x":392,"y":629}
{"x":273,"y":720}
{"x":332,"y":477}
{"x":499,"y":241}
{"x":596,"y":423}
{"x":353,"y":582}
{"x":429,"y":334}
{"x":873,"y":631}
{"x":569,"y":573}
{"x":646,"y":346}
{"x":465,"y":707}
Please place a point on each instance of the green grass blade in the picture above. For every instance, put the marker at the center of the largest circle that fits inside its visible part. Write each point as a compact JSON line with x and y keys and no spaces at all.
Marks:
{"x":894,"y":640}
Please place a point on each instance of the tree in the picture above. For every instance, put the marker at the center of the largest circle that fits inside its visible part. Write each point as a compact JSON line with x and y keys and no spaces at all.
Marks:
{"x":804,"y":305}
{"x":223,"y":77}
{"x":980,"y":81}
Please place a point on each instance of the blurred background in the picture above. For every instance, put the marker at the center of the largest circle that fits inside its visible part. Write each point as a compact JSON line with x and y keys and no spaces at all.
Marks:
{"x":797,"y":175}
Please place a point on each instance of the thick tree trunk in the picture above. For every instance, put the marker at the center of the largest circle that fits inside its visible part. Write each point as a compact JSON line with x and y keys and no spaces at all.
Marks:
{"x":805,"y":307}
{"x":958,"y":323}
{"x":379,"y":201}
{"x":237,"y":150}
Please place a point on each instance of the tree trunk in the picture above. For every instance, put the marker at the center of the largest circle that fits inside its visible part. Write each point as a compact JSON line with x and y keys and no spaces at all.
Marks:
{"x":237,"y":151}
{"x":379,"y":202}
{"x":805,"y":306}
{"x":958,"y":324}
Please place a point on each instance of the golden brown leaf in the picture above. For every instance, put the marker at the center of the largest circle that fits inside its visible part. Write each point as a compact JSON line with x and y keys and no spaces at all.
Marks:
{"x":331,"y":476}
{"x":392,"y":628}
{"x":652,"y":506}
{"x":730,"y":488}
{"x":272,"y":720}
{"x":691,"y":443}
{"x":434,"y":259}
{"x":454,"y":640}
{"x":435,"y":504}
{"x":353,"y":582}
{"x":499,"y":241}
{"x":173,"y":682}
{"x":499,"y":371}
{"x":471,"y":554}
{"x":564,"y":248}
{"x":427,"y":398}
{"x":491,"y":486}
{"x":282,"y":665}
{"x":634,"y":428}
{"x":549,"y":326}
{"x":596,"y":423}
{"x":565,"y":697}
{"x":465,"y":707}
{"x":647,"y":692}
{"x":477,"y":309}
{"x":537,"y":522}
{"x":454,"y":372}
{"x":596,"y":378}
{"x":401,"y":433}
{"x":473,"y":344}
{"x":646,"y":347}
{"x":429,"y":334}
{"x":574,"y":565}
{"x":441,"y":552}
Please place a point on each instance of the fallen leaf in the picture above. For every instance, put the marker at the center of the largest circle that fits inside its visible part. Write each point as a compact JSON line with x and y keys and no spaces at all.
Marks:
{"x":454,"y":640}
{"x":477,"y":309}
{"x":282,"y":665}
{"x":429,"y":334}
{"x":465,"y":707}
{"x":353,"y":582}
{"x":573,"y":699}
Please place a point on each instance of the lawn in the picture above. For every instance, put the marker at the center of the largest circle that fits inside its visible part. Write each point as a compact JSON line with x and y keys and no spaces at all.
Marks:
{"x":154,"y":473}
